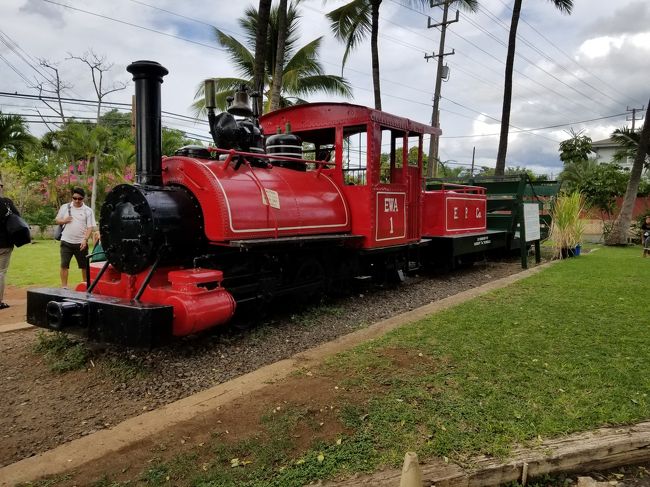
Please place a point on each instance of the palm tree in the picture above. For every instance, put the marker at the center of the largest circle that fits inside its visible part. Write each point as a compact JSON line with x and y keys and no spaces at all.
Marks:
{"x":564,"y":6}
{"x":302,"y":73}
{"x":352,"y":22}
{"x":14,"y":135}
{"x":276,"y":86}
{"x":618,"y":235}
{"x":628,"y":140}
{"x":263,"y":12}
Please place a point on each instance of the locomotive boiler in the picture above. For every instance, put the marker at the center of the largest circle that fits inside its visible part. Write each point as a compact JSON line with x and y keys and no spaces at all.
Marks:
{"x":335,"y":193}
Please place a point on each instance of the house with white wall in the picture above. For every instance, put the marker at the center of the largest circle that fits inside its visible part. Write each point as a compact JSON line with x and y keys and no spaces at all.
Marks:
{"x":605,"y":150}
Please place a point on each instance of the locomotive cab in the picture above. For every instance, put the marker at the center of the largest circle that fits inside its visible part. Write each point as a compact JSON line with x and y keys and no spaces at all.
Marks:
{"x":376,"y":161}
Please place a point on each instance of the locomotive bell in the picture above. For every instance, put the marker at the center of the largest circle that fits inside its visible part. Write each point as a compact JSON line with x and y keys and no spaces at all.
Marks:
{"x":241,"y":105}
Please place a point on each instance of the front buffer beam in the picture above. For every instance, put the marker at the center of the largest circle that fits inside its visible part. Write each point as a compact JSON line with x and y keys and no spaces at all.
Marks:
{"x":100,"y":318}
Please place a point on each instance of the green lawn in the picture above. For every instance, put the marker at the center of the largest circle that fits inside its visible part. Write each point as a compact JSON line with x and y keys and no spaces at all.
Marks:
{"x":38,"y":264}
{"x":565,"y":350}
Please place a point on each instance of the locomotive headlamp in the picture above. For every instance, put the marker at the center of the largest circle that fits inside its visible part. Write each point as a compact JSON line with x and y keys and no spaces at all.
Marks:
{"x":210,"y":90}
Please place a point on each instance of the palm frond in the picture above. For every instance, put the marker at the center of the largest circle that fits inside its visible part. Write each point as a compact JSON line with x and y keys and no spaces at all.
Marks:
{"x":14,"y":135}
{"x":305,"y":60}
{"x":564,"y":6}
{"x":628,"y":140}
{"x":241,"y":57}
{"x":225,"y":87}
{"x":467,"y":5}
{"x":333,"y":85}
{"x":302,"y":74}
{"x":351,"y":23}
{"x":248,"y":23}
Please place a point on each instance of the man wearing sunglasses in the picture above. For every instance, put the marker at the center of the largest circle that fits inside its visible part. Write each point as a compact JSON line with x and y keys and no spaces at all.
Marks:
{"x":79,"y":222}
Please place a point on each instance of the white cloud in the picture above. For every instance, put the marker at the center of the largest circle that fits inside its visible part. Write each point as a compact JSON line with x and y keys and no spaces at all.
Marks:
{"x":600,"y":47}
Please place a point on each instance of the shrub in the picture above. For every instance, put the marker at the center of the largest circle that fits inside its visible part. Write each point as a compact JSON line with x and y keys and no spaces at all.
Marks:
{"x":566,"y":226}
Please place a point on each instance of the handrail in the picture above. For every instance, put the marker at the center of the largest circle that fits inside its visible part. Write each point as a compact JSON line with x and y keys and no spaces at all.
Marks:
{"x":460,"y":188}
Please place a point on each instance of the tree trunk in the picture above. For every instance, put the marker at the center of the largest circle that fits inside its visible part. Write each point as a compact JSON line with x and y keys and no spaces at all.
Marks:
{"x":276,"y":88}
{"x":618,"y":235}
{"x":93,"y":190}
{"x":375,"y":52}
{"x":93,"y":197}
{"x":263,"y":14}
{"x":507,"y":91}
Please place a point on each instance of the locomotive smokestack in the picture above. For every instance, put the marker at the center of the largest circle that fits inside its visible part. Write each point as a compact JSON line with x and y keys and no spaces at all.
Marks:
{"x":148,"y":76}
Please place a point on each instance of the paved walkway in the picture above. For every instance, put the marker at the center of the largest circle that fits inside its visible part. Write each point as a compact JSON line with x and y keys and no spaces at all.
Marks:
{"x":13,"y":318}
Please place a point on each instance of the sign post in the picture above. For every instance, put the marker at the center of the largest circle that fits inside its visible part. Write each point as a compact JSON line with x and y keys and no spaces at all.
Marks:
{"x":530,"y":232}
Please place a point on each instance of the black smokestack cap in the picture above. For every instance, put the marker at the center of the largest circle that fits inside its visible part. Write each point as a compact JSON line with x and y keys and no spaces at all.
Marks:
{"x":148,"y":76}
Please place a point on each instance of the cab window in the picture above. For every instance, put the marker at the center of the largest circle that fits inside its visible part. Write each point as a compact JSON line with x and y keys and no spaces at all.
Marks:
{"x":392,"y":156}
{"x":318,"y":145}
{"x":355,"y":155}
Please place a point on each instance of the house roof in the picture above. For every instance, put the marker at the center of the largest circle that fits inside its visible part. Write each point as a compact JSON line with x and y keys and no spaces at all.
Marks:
{"x":605,"y":143}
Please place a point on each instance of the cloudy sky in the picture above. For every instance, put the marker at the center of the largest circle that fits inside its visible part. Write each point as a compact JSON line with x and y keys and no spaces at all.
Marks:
{"x":580,"y":71}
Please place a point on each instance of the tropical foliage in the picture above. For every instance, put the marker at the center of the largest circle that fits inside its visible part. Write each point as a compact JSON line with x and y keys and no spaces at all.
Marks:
{"x":600,"y":184}
{"x":14,"y":136}
{"x":576,"y":148}
{"x":302,"y":73}
{"x":38,"y":174}
{"x":628,"y":140}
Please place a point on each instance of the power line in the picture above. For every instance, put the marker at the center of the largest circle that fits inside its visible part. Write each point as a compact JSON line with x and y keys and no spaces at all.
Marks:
{"x":520,"y":37}
{"x":182,"y":118}
{"x":176,"y":14}
{"x":135,"y":25}
{"x":14,"y":47}
{"x":401,"y":84}
{"x":93,"y":103}
{"x":565,"y":54}
{"x":367,"y":74}
{"x":532,"y":63}
{"x":15,"y":70}
{"x":538,"y":128}
{"x":503,"y":62}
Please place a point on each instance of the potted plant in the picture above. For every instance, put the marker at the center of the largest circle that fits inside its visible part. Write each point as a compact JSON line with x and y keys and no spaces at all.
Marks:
{"x":566,"y":226}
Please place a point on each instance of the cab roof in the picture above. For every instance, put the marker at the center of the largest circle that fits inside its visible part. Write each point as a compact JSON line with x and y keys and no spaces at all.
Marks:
{"x":309,"y":116}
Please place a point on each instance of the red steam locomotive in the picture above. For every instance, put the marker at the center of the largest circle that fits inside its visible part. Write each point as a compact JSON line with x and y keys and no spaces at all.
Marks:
{"x":335,"y":193}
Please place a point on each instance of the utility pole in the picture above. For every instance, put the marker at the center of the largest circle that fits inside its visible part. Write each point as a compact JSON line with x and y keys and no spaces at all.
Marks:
{"x":432,"y":168}
{"x":471,"y":173}
{"x":634,"y":119}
